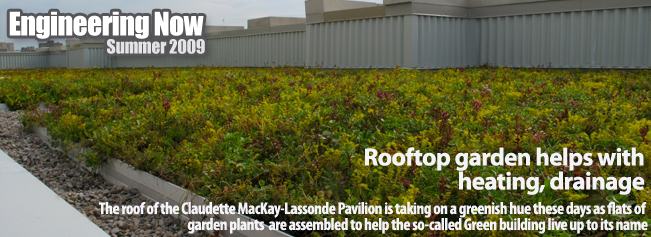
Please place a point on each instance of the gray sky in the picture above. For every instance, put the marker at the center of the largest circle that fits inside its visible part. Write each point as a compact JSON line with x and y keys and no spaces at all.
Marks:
{"x":218,"y":12}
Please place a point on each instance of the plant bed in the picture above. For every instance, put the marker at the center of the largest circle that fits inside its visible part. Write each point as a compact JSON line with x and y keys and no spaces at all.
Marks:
{"x":297,"y":136}
{"x":78,"y":187}
{"x":152,"y":187}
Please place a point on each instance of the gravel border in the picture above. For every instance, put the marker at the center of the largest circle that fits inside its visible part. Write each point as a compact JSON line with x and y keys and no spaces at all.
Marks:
{"x":82,"y":188}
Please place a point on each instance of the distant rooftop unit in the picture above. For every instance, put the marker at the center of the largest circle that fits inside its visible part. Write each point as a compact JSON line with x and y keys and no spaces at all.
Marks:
{"x":49,"y":43}
{"x":6,"y":47}
{"x":28,"y":49}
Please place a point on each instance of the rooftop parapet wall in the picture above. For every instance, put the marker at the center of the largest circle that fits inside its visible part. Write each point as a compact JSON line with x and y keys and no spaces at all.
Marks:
{"x":540,"y":7}
{"x":488,"y":3}
{"x":23,"y":60}
{"x":456,"y":33}
{"x":417,"y":34}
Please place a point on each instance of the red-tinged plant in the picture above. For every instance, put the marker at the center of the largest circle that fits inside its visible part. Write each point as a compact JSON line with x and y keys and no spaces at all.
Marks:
{"x":477,"y":105}
{"x":643,"y":132}
{"x":166,"y":105}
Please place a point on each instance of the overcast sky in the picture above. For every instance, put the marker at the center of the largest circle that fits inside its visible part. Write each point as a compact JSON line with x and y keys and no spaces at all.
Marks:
{"x":218,"y":12}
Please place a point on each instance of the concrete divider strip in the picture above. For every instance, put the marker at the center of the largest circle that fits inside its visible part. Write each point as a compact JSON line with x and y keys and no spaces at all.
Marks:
{"x":29,"y":208}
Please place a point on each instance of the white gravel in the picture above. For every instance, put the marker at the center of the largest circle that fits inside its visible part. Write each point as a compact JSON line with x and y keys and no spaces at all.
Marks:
{"x":83,"y":189}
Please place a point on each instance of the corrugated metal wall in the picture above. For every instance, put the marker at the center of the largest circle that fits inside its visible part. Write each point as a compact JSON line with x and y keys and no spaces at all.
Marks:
{"x":362,"y":43}
{"x":97,"y":57}
{"x":23,"y":60}
{"x":612,"y":38}
{"x":386,"y":42}
{"x":58,"y":60}
{"x":274,"y":49}
{"x":90,"y":57}
{"x":615,"y":38}
{"x":76,"y":58}
{"x":447,"y":42}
